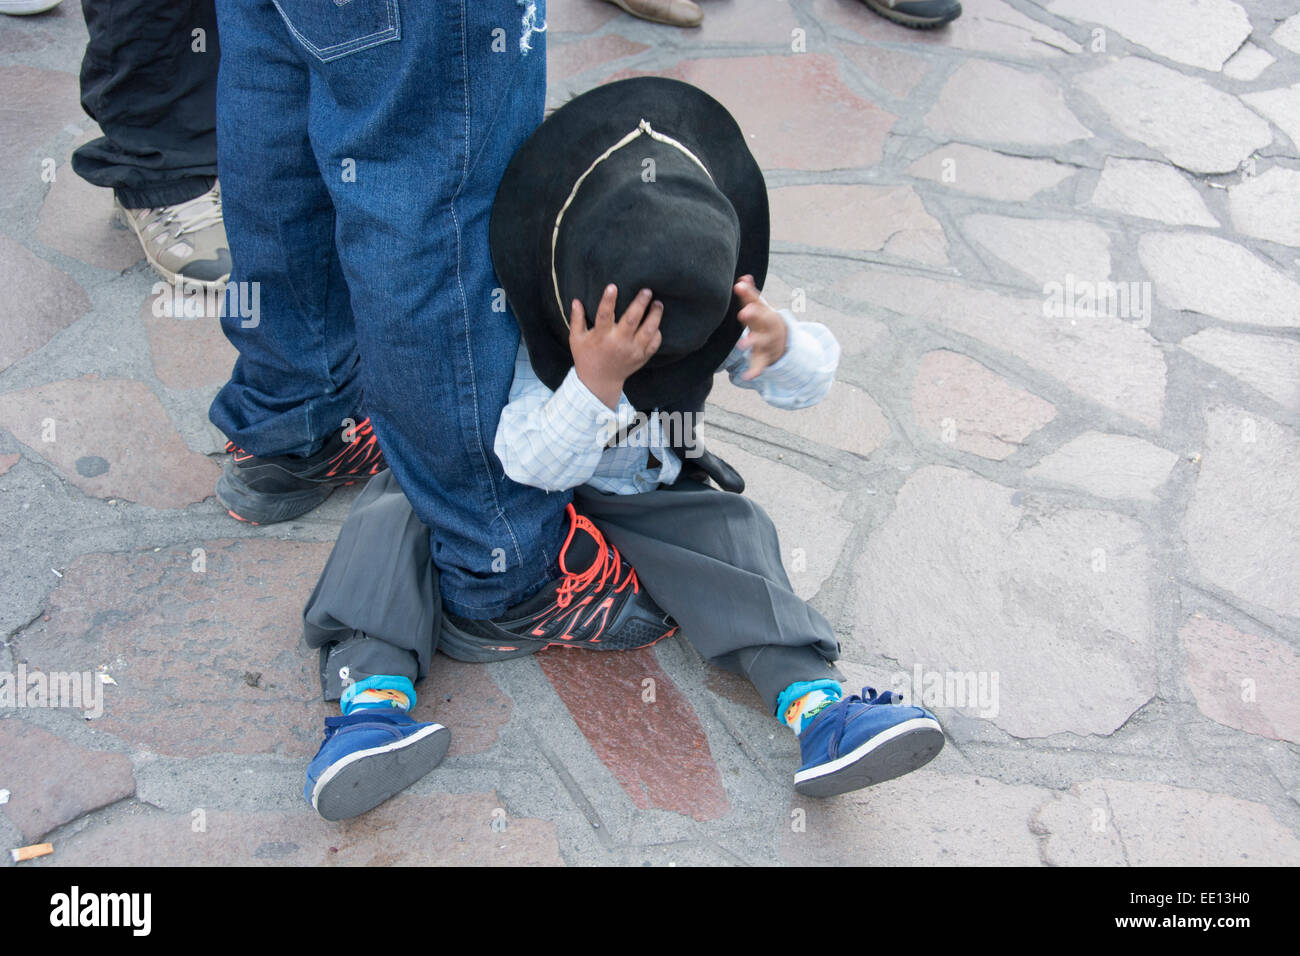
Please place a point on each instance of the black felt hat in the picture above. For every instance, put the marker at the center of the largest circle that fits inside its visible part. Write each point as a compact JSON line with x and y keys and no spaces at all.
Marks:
{"x":645,"y":183}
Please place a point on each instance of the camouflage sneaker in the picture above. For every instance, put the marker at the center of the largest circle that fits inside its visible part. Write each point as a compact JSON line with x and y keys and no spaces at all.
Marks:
{"x":185,"y":243}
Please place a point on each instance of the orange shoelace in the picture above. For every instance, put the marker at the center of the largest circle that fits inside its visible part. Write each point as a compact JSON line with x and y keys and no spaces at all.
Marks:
{"x":607,"y":563}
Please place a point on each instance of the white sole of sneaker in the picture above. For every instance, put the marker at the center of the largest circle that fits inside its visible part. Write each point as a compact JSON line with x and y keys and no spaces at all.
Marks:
{"x":349,"y":788}
{"x":891,"y":753}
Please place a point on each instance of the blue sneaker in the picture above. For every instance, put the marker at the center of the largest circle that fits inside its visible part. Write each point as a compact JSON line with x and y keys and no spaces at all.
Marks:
{"x":855,"y":743}
{"x":368,"y":757}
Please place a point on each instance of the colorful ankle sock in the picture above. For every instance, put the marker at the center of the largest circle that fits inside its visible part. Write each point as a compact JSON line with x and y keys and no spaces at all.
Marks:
{"x":802,"y":701}
{"x":380,"y":691}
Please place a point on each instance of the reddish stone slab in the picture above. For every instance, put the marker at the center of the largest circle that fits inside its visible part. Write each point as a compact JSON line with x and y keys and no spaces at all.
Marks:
{"x":566,"y":59}
{"x":578,"y":16}
{"x":52,"y":781}
{"x":8,"y":461}
{"x":112,"y":439}
{"x":206,"y":662}
{"x":78,"y":220}
{"x":27,"y":40}
{"x":656,"y":749}
{"x":958,"y":401}
{"x":795,"y":110}
{"x":189,"y":349}
{"x":444,"y":829}
{"x":37,"y":301}
{"x":1242,"y":680}
{"x":464,"y":698}
{"x":37,"y":105}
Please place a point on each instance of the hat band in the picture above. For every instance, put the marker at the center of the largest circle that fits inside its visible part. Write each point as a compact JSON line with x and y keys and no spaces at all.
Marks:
{"x":642,"y":128}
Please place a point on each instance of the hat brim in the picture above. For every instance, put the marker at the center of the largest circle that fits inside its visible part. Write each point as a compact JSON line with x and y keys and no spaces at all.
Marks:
{"x":540,"y":177}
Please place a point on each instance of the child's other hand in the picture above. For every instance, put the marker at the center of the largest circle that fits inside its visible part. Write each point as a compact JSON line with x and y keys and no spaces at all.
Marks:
{"x":606,"y":354}
{"x":765,"y":332}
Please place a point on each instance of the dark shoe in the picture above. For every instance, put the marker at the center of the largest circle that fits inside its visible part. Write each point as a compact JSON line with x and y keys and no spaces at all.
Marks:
{"x":267,"y":490}
{"x":861,"y":741}
{"x":603,"y":608}
{"x":920,"y":14}
{"x":368,"y":757}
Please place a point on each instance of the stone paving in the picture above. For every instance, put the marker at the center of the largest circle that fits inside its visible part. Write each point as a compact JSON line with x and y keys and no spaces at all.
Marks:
{"x":1053,"y":494}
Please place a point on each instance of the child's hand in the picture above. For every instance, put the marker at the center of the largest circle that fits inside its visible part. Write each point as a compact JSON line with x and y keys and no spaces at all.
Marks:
{"x":606,"y":354}
{"x":766,"y":332}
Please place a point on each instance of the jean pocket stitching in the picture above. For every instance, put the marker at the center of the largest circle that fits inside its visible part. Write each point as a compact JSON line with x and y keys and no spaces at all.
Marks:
{"x":325,"y":54}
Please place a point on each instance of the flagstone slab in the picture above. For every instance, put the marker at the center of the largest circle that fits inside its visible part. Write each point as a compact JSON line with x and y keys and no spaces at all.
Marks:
{"x":37,"y":301}
{"x":189,"y":349}
{"x":1267,"y":206}
{"x":1184,"y":118}
{"x":1242,"y":680}
{"x":969,"y":576}
{"x":577,"y":56}
{"x":867,"y":218}
{"x":1206,"y":274}
{"x":1137,"y":187}
{"x":1046,"y":250}
{"x":1136,"y":823}
{"x":1200,"y":33}
{"x":1288,"y":34}
{"x":1245,"y":505}
{"x":958,"y":401}
{"x":1248,"y":63}
{"x":796,"y":111}
{"x":1109,"y":466}
{"x":464,"y":698}
{"x":646,"y":734}
{"x":986,"y":102}
{"x":52,"y":781}
{"x":1282,"y":106}
{"x":440,"y":829}
{"x":111,"y":438}
{"x":985,"y":172}
{"x":1106,"y":359}
{"x":204,"y":644}
{"x":922,"y":819}
{"x":1267,"y":363}
{"x":78,"y":220}
{"x":580,"y":16}
{"x":37,"y":105}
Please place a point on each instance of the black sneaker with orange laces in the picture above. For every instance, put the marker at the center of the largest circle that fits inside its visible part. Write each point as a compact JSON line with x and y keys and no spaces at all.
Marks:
{"x":601,"y":608}
{"x":267,"y":490}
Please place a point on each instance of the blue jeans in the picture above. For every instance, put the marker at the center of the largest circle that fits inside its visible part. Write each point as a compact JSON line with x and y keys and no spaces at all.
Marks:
{"x":360,"y":145}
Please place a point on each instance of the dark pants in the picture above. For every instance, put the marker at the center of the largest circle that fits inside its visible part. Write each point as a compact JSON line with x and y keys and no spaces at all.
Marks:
{"x":709,"y":558}
{"x":155,"y":98}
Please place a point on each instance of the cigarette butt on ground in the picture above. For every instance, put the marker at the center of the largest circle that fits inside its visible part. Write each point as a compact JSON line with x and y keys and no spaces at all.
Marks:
{"x":31,"y":852}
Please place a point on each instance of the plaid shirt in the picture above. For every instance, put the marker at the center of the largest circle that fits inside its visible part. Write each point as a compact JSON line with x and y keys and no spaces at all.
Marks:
{"x":559,"y":439}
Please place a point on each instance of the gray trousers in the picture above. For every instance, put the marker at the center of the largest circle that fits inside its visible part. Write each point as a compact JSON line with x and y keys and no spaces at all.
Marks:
{"x":709,"y":558}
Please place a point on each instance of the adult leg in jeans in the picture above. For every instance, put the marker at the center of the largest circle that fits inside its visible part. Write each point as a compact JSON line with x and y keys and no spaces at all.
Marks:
{"x":372,"y":140}
{"x":149,"y":79}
